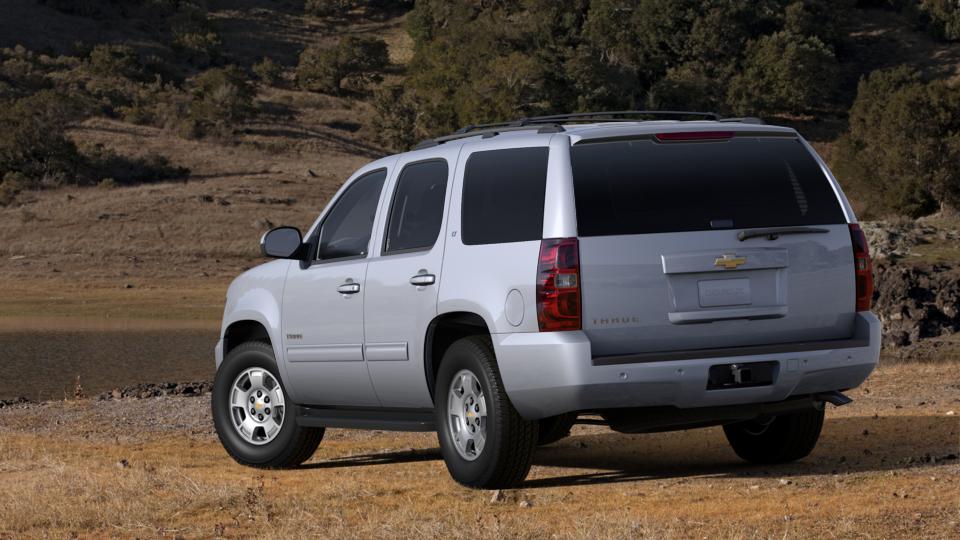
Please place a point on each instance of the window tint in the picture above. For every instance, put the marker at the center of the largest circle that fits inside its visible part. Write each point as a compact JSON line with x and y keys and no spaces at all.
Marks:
{"x":417,"y":207}
{"x":503,"y":194}
{"x":642,"y":186}
{"x":345,"y":231}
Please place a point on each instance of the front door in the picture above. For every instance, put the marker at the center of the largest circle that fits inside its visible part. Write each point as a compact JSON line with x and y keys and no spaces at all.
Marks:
{"x":322,"y":321}
{"x":402,"y":282}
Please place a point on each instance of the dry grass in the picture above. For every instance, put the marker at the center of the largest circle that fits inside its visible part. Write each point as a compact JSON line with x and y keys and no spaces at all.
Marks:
{"x":878,"y":472}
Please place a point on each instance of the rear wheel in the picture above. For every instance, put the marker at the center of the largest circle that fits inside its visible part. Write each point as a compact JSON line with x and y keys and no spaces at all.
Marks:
{"x":554,"y":428}
{"x":780,"y":439}
{"x":484,"y":441}
{"x":254,"y":417}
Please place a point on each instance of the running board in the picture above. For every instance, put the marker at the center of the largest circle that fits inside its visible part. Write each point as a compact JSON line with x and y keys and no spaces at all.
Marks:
{"x":367,"y":418}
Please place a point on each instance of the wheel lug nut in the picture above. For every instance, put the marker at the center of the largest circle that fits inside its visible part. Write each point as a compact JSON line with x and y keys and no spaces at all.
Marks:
{"x":259,"y":393}
{"x":260,"y":417}
{"x":267,"y":410}
{"x":266,"y":399}
{"x":252,"y":399}
{"x":253,"y":411}
{"x":476,"y":408}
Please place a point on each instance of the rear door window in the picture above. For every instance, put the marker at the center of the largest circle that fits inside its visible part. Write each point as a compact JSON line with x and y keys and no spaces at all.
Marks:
{"x":643,"y":186}
{"x":417,"y":208}
{"x":503,"y":193}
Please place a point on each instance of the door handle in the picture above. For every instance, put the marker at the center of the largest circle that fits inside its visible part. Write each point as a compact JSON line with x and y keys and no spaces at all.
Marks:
{"x":349,"y":288}
{"x":423,"y":278}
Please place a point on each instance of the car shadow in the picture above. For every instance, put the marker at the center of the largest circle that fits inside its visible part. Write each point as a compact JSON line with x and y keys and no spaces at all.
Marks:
{"x":386,"y":458}
{"x":847,"y":445}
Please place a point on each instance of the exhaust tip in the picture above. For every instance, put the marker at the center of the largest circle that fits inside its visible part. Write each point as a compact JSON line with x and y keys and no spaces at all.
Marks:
{"x":836,"y":398}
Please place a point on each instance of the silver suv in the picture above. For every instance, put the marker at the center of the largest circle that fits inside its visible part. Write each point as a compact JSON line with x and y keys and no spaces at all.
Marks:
{"x":495,"y":284}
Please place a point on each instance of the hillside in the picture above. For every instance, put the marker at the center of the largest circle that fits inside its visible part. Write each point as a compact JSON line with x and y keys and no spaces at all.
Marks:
{"x":116,"y":248}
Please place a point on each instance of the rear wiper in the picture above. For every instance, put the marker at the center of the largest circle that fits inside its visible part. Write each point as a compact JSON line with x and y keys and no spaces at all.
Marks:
{"x":777,"y":232}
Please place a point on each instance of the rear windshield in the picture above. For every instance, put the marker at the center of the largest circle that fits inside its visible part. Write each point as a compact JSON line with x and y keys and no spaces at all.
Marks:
{"x":644,"y":186}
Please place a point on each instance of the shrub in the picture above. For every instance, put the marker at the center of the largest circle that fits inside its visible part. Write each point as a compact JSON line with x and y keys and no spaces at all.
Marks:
{"x":325,"y":8}
{"x":784,"y":72}
{"x":325,"y":69}
{"x":396,"y":119}
{"x":195,"y":37}
{"x":944,"y":18}
{"x":33,"y":142}
{"x":107,"y":60}
{"x":267,"y":71}
{"x":12,"y":183}
{"x":213,"y":103}
{"x":107,"y":169}
{"x":901,"y":151}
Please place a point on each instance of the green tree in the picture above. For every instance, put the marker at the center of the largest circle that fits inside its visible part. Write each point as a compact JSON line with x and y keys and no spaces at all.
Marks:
{"x":784,"y":72}
{"x":901,"y":152}
{"x":33,"y":141}
{"x":325,"y":69}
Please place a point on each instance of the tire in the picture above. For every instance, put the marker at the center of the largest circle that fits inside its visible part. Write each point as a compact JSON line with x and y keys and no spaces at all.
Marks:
{"x":788,"y":437}
{"x":554,"y":428}
{"x":504,"y":457}
{"x":287,"y":447}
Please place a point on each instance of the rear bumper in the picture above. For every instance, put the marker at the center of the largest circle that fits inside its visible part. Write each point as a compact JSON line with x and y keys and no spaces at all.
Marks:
{"x":551,"y":373}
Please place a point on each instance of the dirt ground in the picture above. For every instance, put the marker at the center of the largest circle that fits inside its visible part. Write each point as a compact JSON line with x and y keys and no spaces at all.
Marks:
{"x":886,"y":467}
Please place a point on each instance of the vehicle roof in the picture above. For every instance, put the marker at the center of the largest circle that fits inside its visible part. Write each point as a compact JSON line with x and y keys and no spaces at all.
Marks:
{"x":602,"y":130}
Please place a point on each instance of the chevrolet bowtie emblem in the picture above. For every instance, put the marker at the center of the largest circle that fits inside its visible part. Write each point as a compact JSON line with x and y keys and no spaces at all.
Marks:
{"x":729,"y":261}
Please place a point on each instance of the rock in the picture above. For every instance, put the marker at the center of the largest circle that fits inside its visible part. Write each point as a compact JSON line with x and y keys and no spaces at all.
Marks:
{"x":152,"y":390}
{"x":123,"y":464}
{"x":205,"y":198}
{"x":525,"y":504}
{"x":21,"y":401}
{"x":128,"y":285}
{"x":497,"y":496}
{"x":950,"y":413}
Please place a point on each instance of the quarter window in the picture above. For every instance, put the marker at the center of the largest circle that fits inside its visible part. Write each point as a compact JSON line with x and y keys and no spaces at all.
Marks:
{"x":417,"y":208}
{"x":503,"y":193}
{"x":345,"y":232}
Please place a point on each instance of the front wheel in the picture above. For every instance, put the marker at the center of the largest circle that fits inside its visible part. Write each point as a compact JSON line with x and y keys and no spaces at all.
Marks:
{"x":485,"y":443}
{"x":255,"y":419}
{"x":780,"y":439}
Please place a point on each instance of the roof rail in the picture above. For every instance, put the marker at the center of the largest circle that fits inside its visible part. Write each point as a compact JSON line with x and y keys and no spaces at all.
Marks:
{"x":615,"y":115}
{"x":744,"y":120}
{"x":486,"y":131}
{"x":552,"y":123}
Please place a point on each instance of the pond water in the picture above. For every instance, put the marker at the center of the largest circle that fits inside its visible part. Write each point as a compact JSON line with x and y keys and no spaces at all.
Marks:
{"x":42,"y":357}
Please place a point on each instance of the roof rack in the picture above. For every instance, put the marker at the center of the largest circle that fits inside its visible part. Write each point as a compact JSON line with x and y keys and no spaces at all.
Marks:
{"x":744,"y":120}
{"x":553,"y":123}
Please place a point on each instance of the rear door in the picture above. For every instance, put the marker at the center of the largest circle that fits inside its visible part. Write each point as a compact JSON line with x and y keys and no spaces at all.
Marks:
{"x":667,"y":258}
{"x":403,"y":280}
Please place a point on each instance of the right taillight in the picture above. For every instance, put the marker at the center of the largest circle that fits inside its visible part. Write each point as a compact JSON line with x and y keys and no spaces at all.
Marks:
{"x":863,"y":268}
{"x":558,"y":285}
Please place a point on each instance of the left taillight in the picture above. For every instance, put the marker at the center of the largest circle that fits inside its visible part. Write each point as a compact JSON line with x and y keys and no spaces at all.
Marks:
{"x":558,"y":285}
{"x":862,"y":267}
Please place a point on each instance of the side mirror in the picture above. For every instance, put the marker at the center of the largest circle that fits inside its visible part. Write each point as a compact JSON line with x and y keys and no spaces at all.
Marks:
{"x":282,"y":243}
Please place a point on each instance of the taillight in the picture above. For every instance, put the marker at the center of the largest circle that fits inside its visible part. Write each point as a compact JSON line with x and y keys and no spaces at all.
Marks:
{"x":863,"y":268}
{"x":558,"y":285}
